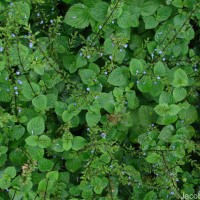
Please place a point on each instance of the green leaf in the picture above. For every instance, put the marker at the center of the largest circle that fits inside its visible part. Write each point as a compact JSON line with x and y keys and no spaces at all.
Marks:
{"x":159,"y":69}
{"x":73,"y":164}
{"x":145,"y":84}
{"x":106,"y":101}
{"x":80,"y":62}
{"x":67,"y":141}
{"x":78,"y":143}
{"x":105,"y":158}
{"x":125,"y":20}
{"x":166,"y":133}
{"x":40,"y":102}
{"x":114,"y":11}
{"x":45,"y":165}
{"x":174,"y":109}
{"x":18,"y":131}
{"x":189,"y":115}
{"x":32,"y":140}
{"x":177,"y":3}
{"x":43,"y":184}
{"x":21,"y":12}
{"x":99,"y":10}
{"x":27,"y":90}
{"x":166,"y":120}
{"x":180,"y":78}
{"x":36,"y":126}
{"x":147,"y":115}
{"x":150,"y":22}
{"x":119,"y":76}
{"x":153,"y":158}
{"x":109,"y":47}
{"x":10,"y":171}
{"x":98,"y":189}
{"x":148,"y":7}
{"x":52,"y":176}
{"x":162,"y":109}
{"x":39,"y":68}
{"x":5,"y":182}
{"x":132,"y":100}
{"x":44,"y":141}
{"x":57,"y":145}
{"x":67,"y":115}
{"x":87,"y":75}
{"x":78,"y":16}
{"x":150,"y":196}
{"x":165,"y":97}
{"x":163,"y":13}
{"x":3,"y":150}
{"x":35,"y":152}
{"x":179,"y":94}
{"x":157,"y":89}
{"x":92,"y":118}
{"x":136,"y":66}
{"x":67,"y":145}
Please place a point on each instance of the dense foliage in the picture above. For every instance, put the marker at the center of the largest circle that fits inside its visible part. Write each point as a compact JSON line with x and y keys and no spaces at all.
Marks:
{"x":99,"y":99}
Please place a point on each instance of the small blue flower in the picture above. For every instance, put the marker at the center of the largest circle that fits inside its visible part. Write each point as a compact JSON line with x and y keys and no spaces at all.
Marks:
{"x":103,"y":135}
{"x":16,"y":93}
{"x":31,"y":45}
{"x":158,"y":77}
{"x":15,"y":88}
{"x":19,"y":82}
{"x":18,"y":73}
{"x":38,"y":14}
{"x":19,"y":110}
{"x":80,"y":54}
{"x":13,"y":35}
{"x":144,"y":72}
{"x":89,"y":56}
{"x":126,"y":45}
{"x":110,"y":57}
{"x":164,"y":59}
{"x":113,"y":22}
{"x":160,"y":52}
{"x":105,"y":73}
{"x":88,"y":89}
{"x":100,"y":27}
{"x":1,"y":49}
{"x":41,"y":22}
{"x":51,"y":21}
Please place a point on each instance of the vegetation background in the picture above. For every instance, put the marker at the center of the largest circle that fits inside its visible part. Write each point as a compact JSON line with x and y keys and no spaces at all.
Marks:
{"x":99,"y":99}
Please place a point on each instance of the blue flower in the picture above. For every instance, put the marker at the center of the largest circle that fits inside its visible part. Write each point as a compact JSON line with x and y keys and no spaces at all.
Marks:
{"x":30,"y":44}
{"x":18,"y":73}
{"x":19,"y":82}
{"x":103,"y":135}
{"x":15,"y":88}
{"x":1,"y":49}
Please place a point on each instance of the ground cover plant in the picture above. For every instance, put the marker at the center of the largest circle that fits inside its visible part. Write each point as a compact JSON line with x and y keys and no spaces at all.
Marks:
{"x":99,"y":99}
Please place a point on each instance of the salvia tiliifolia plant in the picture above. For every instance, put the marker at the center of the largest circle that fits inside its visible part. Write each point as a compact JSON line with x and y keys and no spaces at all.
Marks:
{"x":99,"y":100}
